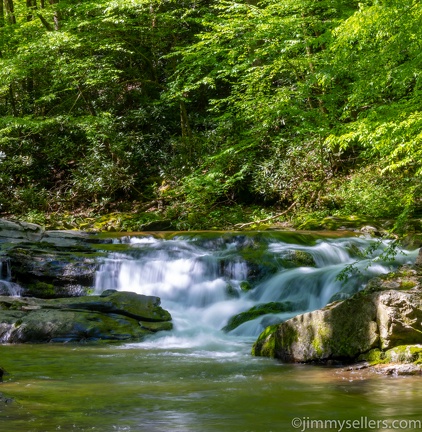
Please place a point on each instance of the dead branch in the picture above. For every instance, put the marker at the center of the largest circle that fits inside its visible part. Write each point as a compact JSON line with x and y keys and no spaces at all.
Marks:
{"x":266,"y":219}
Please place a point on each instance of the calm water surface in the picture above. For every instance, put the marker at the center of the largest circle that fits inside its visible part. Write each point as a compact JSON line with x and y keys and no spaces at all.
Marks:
{"x":136,"y":388}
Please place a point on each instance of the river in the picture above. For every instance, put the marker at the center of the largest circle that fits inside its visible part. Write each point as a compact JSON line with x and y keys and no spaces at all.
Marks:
{"x":197,"y":377}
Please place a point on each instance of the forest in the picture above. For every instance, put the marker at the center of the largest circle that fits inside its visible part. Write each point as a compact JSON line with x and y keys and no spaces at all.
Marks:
{"x":210,"y":113}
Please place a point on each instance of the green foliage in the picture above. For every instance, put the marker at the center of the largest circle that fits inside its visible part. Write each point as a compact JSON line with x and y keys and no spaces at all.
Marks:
{"x":369,"y":193}
{"x":210,"y":106}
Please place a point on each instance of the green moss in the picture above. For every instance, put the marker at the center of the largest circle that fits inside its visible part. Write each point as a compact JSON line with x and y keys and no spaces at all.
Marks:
{"x":399,"y":354}
{"x":289,"y":336}
{"x":265,"y":345}
{"x":255,"y":312}
{"x":231,"y":291}
{"x":407,"y":284}
{"x":405,"y":354}
{"x":374,"y":357}
{"x":245,"y":286}
{"x":297,"y":258}
{"x":321,"y":341}
{"x":317,"y":222}
{"x":41,"y":290}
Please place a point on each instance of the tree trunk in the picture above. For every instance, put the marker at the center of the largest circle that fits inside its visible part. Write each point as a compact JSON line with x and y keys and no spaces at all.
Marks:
{"x":31,"y":5}
{"x":10,"y":11}
{"x":12,"y":101}
{"x":1,"y":13}
{"x":186,"y":130}
{"x":56,"y":16}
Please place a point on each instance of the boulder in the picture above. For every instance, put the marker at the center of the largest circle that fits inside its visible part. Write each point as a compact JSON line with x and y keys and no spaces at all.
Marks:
{"x":47,"y":271}
{"x":341,"y":330}
{"x":385,"y":315}
{"x":418,"y":263}
{"x":346,"y":330}
{"x":20,"y":231}
{"x":118,"y":316}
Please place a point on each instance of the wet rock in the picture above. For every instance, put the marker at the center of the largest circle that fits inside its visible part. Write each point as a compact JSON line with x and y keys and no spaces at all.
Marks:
{"x":118,"y":316}
{"x":400,"y":370}
{"x":387,"y":314}
{"x":257,"y":311}
{"x":341,"y":330}
{"x":345,"y":330}
{"x":46,"y":272}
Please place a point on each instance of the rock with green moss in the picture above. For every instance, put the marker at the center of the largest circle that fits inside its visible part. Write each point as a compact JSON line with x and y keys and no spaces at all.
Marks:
{"x":114,"y":317}
{"x":47,"y":271}
{"x":265,"y":346}
{"x":382,"y":319}
{"x":257,"y":311}
{"x":399,"y":354}
{"x":341,"y":330}
{"x":297,"y":258}
{"x":333,"y":223}
{"x":245,"y":286}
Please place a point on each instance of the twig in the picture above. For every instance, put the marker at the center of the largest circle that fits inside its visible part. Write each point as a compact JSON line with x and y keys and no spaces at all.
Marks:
{"x":268,"y":218}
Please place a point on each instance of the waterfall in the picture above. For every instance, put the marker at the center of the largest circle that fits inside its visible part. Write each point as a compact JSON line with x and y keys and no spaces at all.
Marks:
{"x":201,"y":279}
{"x":7,"y":287}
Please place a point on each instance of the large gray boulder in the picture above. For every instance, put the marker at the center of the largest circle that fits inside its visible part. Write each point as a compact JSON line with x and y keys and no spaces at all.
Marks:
{"x":342,"y":330}
{"x":20,"y":231}
{"x":17,"y":231}
{"x":117,"y":316}
{"x":378,"y":318}
{"x":46,"y":264}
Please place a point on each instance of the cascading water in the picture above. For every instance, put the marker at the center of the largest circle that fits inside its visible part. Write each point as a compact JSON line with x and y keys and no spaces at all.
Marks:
{"x":6,"y":286}
{"x":201,"y":280}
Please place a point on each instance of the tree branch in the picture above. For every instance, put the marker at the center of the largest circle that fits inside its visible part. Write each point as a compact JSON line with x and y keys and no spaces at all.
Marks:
{"x":266,"y":219}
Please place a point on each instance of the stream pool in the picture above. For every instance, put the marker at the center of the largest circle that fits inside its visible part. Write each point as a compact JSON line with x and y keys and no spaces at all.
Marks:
{"x":136,"y":388}
{"x":198,"y":378}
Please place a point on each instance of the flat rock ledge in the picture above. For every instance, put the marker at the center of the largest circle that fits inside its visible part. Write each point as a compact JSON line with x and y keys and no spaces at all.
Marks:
{"x":369,"y":326}
{"x":113,"y":316}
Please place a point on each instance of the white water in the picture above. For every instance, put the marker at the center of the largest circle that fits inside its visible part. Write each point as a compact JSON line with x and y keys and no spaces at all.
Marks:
{"x":191,"y":275}
{"x":6,"y":286}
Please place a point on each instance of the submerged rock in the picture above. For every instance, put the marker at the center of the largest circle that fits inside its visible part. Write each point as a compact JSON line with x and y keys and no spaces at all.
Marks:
{"x":118,"y":316}
{"x":257,"y":311}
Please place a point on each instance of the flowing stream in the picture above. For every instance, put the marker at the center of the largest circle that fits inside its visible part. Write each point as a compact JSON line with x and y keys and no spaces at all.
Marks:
{"x":201,"y":279}
{"x":198,"y":377}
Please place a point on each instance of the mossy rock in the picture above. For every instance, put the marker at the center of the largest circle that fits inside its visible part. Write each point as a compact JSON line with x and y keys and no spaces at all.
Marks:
{"x":265,"y":344}
{"x":298,"y":258}
{"x":231,"y":291}
{"x":399,"y":354}
{"x":333,"y":223}
{"x":41,"y":290}
{"x":257,"y":311}
{"x":245,"y":286}
{"x":115,"y":316}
